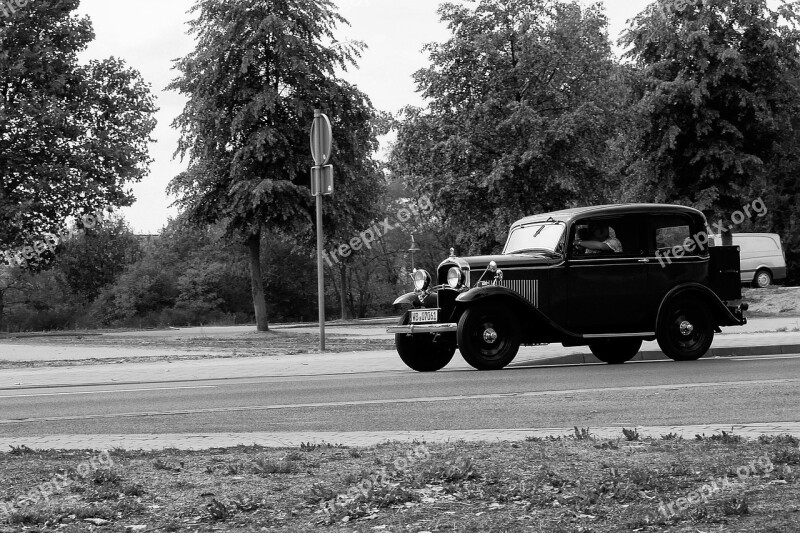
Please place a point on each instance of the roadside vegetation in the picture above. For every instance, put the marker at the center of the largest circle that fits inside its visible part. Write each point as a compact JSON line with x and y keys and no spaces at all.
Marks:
{"x":570,"y":484}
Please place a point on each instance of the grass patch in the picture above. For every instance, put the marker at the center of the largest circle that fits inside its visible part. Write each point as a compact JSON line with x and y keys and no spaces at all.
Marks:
{"x":568,"y":484}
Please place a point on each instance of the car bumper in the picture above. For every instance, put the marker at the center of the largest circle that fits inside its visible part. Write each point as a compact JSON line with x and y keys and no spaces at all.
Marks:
{"x":423,"y":328}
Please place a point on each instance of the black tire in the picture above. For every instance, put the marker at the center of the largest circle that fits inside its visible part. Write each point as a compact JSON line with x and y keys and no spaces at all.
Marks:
{"x":762,"y":279}
{"x":488,"y":336}
{"x":685,"y":329}
{"x":616,"y":351}
{"x":419,"y":352}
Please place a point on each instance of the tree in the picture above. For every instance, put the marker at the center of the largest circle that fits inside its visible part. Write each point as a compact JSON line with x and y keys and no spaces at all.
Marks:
{"x":71,"y":136}
{"x":719,"y":98}
{"x":523,"y":102}
{"x":258,"y":72}
{"x":96,"y":258}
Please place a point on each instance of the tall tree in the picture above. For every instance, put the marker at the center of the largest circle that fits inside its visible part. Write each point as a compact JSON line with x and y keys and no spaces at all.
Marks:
{"x":719,"y":97}
{"x":259,"y":69}
{"x":523,"y":100}
{"x":72,"y":136}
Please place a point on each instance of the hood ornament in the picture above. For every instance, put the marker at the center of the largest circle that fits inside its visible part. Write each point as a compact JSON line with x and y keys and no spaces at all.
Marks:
{"x":452,"y":252}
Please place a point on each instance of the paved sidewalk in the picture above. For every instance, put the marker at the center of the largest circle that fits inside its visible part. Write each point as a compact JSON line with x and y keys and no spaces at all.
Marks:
{"x":370,"y":438}
{"x":344,"y":363}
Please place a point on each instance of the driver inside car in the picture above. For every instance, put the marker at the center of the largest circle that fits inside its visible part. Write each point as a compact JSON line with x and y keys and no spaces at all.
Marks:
{"x":601,"y":240}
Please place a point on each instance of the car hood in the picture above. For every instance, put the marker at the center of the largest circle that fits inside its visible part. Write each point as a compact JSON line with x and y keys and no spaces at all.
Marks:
{"x":503,"y":261}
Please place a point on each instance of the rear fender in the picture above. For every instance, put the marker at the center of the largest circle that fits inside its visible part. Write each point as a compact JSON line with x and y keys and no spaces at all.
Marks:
{"x":722,"y":315}
{"x":536,"y":326}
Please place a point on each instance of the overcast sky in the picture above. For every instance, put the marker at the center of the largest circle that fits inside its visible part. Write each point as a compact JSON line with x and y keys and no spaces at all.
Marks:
{"x":149,"y":34}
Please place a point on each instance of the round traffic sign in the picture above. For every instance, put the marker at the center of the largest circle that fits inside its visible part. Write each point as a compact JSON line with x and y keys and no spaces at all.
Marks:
{"x":321,"y":139}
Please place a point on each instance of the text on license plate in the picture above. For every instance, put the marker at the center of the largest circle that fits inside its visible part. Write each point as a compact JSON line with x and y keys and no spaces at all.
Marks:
{"x":428,"y":315}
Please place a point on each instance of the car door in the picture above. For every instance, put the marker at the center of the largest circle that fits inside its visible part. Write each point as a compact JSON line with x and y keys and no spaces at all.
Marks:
{"x":677,"y":253}
{"x":604,"y":290}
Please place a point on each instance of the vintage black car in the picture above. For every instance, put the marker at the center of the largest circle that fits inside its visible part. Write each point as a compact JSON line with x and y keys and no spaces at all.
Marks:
{"x":607,"y":276}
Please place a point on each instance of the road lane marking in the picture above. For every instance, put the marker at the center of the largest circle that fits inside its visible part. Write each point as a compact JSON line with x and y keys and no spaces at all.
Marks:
{"x":761,"y":357}
{"x":105,"y":391}
{"x":428,"y":399}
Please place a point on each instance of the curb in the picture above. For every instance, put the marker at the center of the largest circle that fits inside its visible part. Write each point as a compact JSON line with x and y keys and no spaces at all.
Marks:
{"x":657,"y":355}
{"x":207,"y":441}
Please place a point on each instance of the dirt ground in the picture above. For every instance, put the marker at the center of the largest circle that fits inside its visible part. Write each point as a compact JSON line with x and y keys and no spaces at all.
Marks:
{"x":575,"y":484}
{"x":773,"y":301}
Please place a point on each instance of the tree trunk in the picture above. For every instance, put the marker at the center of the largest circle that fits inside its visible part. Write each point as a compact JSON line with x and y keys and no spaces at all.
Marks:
{"x":342,"y":297}
{"x":2,"y":307}
{"x":257,"y":282}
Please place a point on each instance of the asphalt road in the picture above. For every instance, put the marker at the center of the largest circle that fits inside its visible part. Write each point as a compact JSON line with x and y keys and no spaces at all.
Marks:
{"x":722,"y":390}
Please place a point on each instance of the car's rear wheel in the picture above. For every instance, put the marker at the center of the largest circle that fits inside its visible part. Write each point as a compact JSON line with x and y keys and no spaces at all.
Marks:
{"x":763,"y":278}
{"x":488,"y":336}
{"x":685,"y":329}
{"x":615,"y":351}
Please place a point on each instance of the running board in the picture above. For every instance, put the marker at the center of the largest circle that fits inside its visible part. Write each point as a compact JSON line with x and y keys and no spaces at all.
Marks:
{"x":617,"y":335}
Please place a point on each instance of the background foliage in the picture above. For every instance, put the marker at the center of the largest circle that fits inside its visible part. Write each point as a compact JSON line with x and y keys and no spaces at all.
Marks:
{"x":527,"y":108}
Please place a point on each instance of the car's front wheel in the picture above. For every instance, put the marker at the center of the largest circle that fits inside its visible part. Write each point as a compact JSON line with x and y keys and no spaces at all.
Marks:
{"x":616,"y":351}
{"x":685,"y":329}
{"x":488,"y":336}
{"x":419,"y":351}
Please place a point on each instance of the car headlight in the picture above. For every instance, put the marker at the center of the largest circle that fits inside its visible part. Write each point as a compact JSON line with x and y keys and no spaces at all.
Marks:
{"x":455,"y":277}
{"x":422,"y":280}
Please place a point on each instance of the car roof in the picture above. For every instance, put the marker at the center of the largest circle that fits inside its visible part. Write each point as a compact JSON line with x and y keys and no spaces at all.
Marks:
{"x":565,"y":215}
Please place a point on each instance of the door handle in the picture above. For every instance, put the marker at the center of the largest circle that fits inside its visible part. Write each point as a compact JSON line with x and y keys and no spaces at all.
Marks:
{"x":645,"y":260}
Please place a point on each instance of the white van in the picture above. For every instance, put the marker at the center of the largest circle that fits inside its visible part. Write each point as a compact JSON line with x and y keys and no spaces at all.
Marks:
{"x":762,"y":258}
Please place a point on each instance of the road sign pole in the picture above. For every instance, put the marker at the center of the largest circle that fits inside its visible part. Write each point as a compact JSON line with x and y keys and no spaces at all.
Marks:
{"x":320,"y":276}
{"x":321,"y":142}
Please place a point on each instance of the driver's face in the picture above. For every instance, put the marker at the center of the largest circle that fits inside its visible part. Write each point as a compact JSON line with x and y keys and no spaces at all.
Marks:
{"x":601,"y":233}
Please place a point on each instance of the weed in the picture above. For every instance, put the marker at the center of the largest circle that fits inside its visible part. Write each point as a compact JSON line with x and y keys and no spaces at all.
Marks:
{"x":631,"y":434}
{"x":216,"y":510}
{"x":735,"y":506}
{"x":724,"y":437}
{"x":671,"y":436}
{"x":105,"y":477}
{"x":779,"y":439}
{"x":20,"y":450}
{"x":267,"y":466}
{"x":158,"y":464}
{"x":582,"y":433}
{"x":293,"y":456}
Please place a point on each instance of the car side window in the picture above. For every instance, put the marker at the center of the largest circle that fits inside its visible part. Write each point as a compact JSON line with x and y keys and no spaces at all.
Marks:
{"x":671,"y":236}
{"x":597,"y":238}
{"x":676,"y":236}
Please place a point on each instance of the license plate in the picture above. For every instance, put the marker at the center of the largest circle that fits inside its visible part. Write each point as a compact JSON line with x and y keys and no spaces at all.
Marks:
{"x":428,"y":315}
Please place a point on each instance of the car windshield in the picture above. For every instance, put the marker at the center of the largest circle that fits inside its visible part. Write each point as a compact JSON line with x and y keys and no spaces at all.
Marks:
{"x":535,"y":237}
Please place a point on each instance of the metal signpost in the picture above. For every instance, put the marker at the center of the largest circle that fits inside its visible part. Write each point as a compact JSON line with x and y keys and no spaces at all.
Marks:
{"x":321,"y":183}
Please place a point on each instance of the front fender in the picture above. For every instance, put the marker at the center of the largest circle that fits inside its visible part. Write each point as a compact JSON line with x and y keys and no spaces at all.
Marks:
{"x":721,"y":313}
{"x":540,"y":327}
{"x":409,"y":298}
{"x":412,"y":299}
